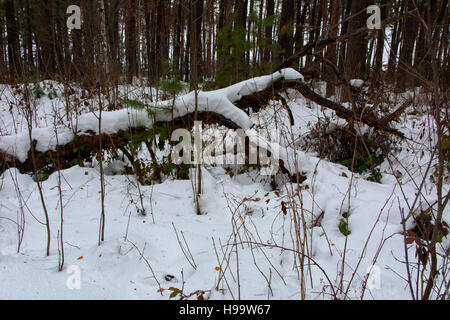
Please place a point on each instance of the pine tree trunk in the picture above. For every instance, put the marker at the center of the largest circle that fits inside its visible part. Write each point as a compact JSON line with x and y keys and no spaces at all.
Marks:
{"x":90,"y":36}
{"x":345,"y":14}
{"x":131,"y":40}
{"x":355,"y":57}
{"x":112,"y":19}
{"x":77,"y":51}
{"x":300,"y":22}
{"x":268,"y":32}
{"x":331,"y":54}
{"x":410,"y":28}
{"x":12,"y":37}
{"x":104,"y":44}
{"x":312,"y":25}
{"x":29,"y":36}
{"x":3,"y":68}
{"x":286,"y":29}
{"x":177,"y":36}
{"x":250,"y":38}
{"x":396,"y":34}
{"x":188,"y":44}
{"x":162,"y":49}
{"x":240,"y":11}
{"x":434,"y":14}
{"x":196,"y":27}
{"x":379,"y":51}
{"x":60,"y":38}
{"x":149,"y":39}
{"x":356,"y":51}
{"x":225,"y":22}
{"x":208,"y":40}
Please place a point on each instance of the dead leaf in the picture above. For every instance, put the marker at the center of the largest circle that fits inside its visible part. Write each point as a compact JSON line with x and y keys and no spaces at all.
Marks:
{"x":250,"y":199}
{"x":283,"y":207}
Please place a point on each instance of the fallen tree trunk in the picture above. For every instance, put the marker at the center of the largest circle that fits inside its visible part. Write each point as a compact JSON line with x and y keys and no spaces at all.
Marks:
{"x":223,"y":107}
{"x":87,"y":145}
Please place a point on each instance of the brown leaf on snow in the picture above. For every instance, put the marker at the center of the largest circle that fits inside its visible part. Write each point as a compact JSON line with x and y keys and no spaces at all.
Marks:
{"x":250,"y":199}
{"x":283,"y":207}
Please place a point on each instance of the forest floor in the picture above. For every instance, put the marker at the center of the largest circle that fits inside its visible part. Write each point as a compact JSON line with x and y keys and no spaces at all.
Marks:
{"x":244,"y":246}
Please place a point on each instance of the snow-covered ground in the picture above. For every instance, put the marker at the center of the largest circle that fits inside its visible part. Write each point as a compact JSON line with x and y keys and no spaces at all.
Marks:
{"x":244,"y":246}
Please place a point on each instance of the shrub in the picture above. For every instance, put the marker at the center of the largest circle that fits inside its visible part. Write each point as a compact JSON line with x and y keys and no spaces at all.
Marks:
{"x":336,"y":143}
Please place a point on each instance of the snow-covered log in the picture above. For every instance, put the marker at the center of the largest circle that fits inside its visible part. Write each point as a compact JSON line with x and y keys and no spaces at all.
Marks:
{"x":224,"y":106}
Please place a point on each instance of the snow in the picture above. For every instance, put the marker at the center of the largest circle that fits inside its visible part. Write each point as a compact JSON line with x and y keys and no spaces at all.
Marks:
{"x":357,"y":83}
{"x":237,"y":209}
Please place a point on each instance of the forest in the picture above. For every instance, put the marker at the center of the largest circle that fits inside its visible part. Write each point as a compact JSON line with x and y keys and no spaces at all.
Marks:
{"x":227,"y":41}
{"x":224,"y":149}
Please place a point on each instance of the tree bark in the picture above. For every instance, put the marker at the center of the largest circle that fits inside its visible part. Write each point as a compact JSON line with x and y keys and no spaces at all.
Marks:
{"x":379,"y":51}
{"x":396,"y":34}
{"x":162,"y":45}
{"x":177,"y":36}
{"x":268,"y":32}
{"x":355,"y":57}
{"x":196,"y":39}
{"x":29,"y":36}
{"x":286,"y":29}
{"x":112,"y":24}
{"x":3,"y":67}
{"x":410,"y":28}
{"x":331,"y":54}
{"x":12,"y":37}
{"x":90,"y":36}
{"x":131,"y":40}
{"x":77,"y":52}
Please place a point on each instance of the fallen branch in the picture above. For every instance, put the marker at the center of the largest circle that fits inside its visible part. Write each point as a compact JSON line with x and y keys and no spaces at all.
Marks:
{"x":257,"y":100}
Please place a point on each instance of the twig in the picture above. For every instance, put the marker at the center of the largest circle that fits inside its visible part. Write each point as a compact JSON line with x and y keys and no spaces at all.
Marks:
{"x":148,"y":265}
